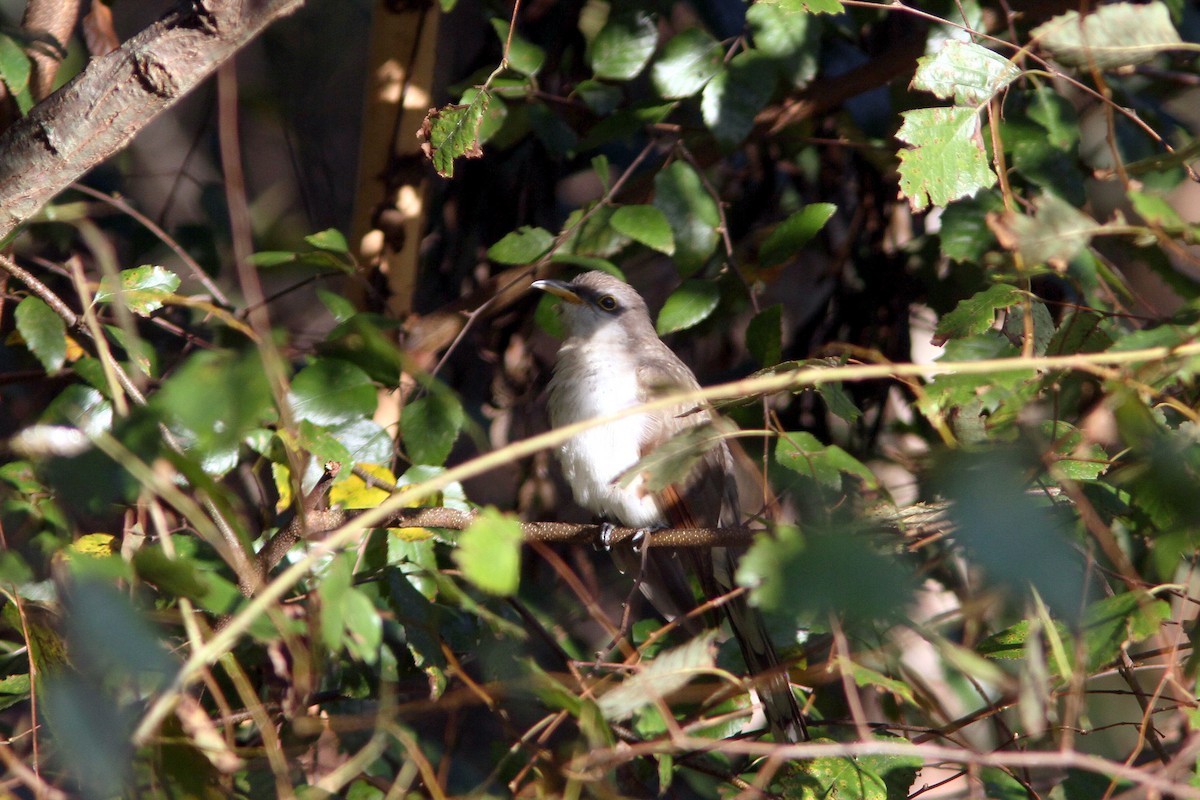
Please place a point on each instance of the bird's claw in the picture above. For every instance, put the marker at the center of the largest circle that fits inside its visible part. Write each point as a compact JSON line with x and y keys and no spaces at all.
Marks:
{"x":640,"y":540}
{"x":607,"y":530}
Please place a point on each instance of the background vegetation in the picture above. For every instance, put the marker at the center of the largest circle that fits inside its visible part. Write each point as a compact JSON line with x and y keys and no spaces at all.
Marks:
{"x":938,"y":262}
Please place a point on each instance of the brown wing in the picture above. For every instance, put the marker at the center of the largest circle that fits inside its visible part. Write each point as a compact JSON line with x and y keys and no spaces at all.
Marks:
{"x":707,"y":497}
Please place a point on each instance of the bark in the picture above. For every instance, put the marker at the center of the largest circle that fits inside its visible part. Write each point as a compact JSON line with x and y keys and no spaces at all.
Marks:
{"x":117,"y":95}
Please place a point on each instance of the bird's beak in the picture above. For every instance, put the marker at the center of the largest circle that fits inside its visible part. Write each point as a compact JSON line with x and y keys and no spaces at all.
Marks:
{"x":559,"y":289}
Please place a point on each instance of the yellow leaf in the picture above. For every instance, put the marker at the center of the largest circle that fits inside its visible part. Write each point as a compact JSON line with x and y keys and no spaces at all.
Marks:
{"x":93,"y":545}
{"x":355,"y":493}
{"x":283,"y":485}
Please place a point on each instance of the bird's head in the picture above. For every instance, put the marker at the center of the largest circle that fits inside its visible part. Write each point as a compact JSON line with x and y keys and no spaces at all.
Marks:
{"x":595,"y":304}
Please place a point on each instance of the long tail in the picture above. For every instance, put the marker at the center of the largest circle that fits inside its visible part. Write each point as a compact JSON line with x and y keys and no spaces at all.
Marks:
{"x":770,"y":676}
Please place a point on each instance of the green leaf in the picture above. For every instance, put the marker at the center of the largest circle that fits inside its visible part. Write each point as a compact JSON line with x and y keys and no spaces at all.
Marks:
{"x":320,"y":441}
{"x":669,"y":672}
{"x":1055,"y":234}
{"x":978,"y":313}
{"x":1057,"y":115}
{"x":143,"y":289}
{"x":1073,"y":457}
{"x":689,"y":305}
{"x":523,"y":55}
{"x":965,"y":71}
{"x":523,"y":246}
{"x":489,"y":553}
{"x":452,"y":132}
{"x":1114,"y":623}
{"x":646,"y":225}
{"x":601,"y":98}
{"x":732,"y":99}
{"x":331,"y":391}
{"x":964,"y":233}
{"x":789,"y":39}
{"x":330,"y":239}
{"x":691,"y":59}
{"x":1156,"y":210}
{"x":363,"y":624}
{"x":624,"y":46}
{"x":865,"y":676}
{"x":15,"y":71}
{"x":340,"y":307}
{"x":764,"y":336}
{"x":273,"y":258}
{"x":858,"y":778}
{"x":838,"y":401}
{"x":807,"y":6}
{"x":217,"y":395}
{"x":946,"y":161}
{"x":332,"y":590}
{"x":791,"y":235}
{"x":430,"y":425}
{"x":44,"y":332}
{"x":834,"y":572}
{"x":14,"y":689}
{"x":670,"y":462}
{"x":680,"y":195}
{"x":593,"y":237}
{"x":999,"y":524}
{"x":1110,"y":36}
{"x":804,"y":454}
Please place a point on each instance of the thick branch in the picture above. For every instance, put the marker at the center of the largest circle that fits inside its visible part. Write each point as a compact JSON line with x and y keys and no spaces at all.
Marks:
{"x":117,"y":95}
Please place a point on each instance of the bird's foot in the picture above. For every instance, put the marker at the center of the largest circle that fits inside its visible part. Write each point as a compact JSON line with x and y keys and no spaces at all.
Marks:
{"x":607,"y":529}
{"x":640,"y":540}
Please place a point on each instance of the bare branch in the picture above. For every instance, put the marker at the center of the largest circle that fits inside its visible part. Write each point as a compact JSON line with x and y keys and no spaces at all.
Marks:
{"x":117,"y":95}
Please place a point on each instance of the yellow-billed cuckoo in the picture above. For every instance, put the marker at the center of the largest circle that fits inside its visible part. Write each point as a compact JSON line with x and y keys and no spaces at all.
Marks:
{"x":612,"y":360}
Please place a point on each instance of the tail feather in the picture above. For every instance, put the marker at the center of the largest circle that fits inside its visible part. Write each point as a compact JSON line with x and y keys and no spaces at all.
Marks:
{"x":770,"y":676}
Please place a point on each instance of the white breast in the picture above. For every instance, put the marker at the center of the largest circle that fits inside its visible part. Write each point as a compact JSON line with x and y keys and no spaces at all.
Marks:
{"x":594,"y":461}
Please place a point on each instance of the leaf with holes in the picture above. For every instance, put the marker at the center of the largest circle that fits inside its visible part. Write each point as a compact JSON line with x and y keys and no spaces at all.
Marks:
{"x":143,"y":290}
{"x":452,"y":132}
{"x":946,"y":160}
{"x":967,"y":72}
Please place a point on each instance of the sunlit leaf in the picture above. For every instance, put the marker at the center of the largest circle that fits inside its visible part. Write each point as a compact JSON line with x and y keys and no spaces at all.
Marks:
{"x":624,"y":45}
{"x":790,"y":236}
{"x":669,"y":672}
{"x":489,"y":553}
{"x":966,"y":72}
{"x":977,"y":314}
{"x":689,"y":305}
{"x":646,"y":225}
{"x":1109,"y":36}
{"x":688,"y":61}
{"x":732,"y":99}
{"x":330,"y":391}
{"x":523,"y":55}
{"x":946,"y":160}
{"x":522,"y":246}
{"x":143,"y":290}
{"x":452,"y":132}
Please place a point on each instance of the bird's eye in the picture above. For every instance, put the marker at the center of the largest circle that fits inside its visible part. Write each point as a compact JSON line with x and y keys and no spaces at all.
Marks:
{"x":607,"y":302}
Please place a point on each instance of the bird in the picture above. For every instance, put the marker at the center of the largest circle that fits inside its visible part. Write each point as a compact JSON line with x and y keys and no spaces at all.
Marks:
{"x":611,"y":360}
